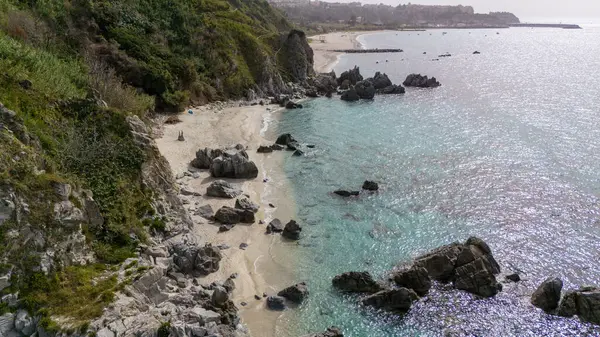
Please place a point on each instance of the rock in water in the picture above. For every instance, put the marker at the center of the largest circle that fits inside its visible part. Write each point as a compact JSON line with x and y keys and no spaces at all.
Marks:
{"x":547,"y":295}
{"x":228,"y":215}
{"x":296,"y":293}
{"x":415,"y":278}
{"x":350,"y":95}
{"x":352,"y":76}
{"x":396,"y":300}
{"x":370,"y":186}
{"x":392,"y":89}
{"x":285,"y":139}
{"x":380,"y":80}
{"x":298,"y":153}
{"x":292,"y":230}
{"x":331,"y":332}
{"x":245,"y":203}
{"x":513,"y":277}
{"x":345,"y":193}
{"x":416,"y":80}
{"x":264,"y":149}
{"x":585,"y":303}
{"x":365,"y":90}
{"x":275,"y":226}
{"x":356,"y":282}
{"x":276,"y":303}
{"x":222,"y":189}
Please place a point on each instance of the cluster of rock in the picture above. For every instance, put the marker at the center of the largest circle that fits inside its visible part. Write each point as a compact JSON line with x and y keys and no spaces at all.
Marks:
{"x":284,"y":141}
{"x":469,"y":266}
{"x":295,"y":294}
{"x":416,"y":80}
{"x":290,"y":231}
{"x":226,"y":163}
{"x":583,"y":303}
{"x":356,"y":88}
{"x":368,"y":185}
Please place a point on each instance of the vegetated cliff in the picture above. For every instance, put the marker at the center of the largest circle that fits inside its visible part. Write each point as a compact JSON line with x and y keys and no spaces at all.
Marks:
{"x":82,"y":185}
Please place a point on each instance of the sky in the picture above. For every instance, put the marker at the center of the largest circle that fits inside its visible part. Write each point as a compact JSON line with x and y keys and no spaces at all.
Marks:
{"x":521,"y":8}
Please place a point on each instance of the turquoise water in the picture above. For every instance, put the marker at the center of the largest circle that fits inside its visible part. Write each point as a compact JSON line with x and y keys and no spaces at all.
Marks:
{"x":507,"y":149}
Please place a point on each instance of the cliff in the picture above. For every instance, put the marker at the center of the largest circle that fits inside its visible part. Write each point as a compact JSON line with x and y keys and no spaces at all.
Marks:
{"x":82,"y":185}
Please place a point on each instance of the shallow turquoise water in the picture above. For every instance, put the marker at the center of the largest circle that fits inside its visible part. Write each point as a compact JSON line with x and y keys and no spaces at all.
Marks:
{"x":506,"y":149}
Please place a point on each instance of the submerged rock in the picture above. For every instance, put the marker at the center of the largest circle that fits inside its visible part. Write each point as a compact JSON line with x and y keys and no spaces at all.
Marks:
{"x":276,"y":303}
{"x":345,"y":193}
{"x":264,"y":149}
{"x":370,"y":186}
{"x":395,"y":300}
{"x":331,"y":332}
{"x":547,"y":295}
{"x":416,"y":80}
{"x":222,"y":189}
{"x":296,"y":293}
{"x":356,"y":282}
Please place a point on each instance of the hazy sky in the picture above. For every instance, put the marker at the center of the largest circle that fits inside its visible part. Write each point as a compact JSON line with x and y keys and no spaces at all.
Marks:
{"x":522,"y":8}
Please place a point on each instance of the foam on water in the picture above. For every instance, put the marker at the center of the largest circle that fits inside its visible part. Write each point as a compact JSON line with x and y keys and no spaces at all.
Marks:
{"x":507,"y":149}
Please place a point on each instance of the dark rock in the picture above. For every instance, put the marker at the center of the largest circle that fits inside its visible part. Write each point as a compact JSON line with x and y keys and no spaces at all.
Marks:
{"x":380,"y":80}
{"x":261,"y":222}
{"x":296,"y":293}
{"x":392,"y":89}
{"x":365,"y":90}
{"x":298,"y":153}
{"x":370,"y":186}
{"x":350,"y":95}
{"x":222,"y":189}
{"x":395,"y":300}
{"x":293,"y":146}
{"x":276,"y":303}
{"x":205,"y":211}
{"x":275,"y":226}
{"x":353,"y":76}
{"x":415,"y":278}
{"x":513,"y":277}
{"x":416,"y":80}
{"x":445,"y":55}
{"x":345,"y":85}
{"x":331,"y":332}
{"x":476,"y":52}
{"x":440,"y":262}
{"x":258,"y":298}
{"x":204,"y":158}
{"x":243,"y":304}
{"x":264,"y":149}
{"x":277,"y":147}
{"x":312,"y":93}
{"x":234,"y":165}
{"x":207,"y":260}
{"x":229,"y":215}
{"x":329,"y":94}
{"x":246,"y":204}
{"x":25,"y":84}
{"x":310,"y":146}
{"x":285,"y":139}
{"x":345,"y":193}
{"x":271,"y":205}
{"x":547,"y":295}
{"x":185,"y":191}
{"x":297,"y":56}
{"x":220,"y":296}
{"x":292,"y":230}
{"x":293,"y":105}
{"x":585,"y":303}
{"x":243,"y":246}
{"x":356,"y":282}
{"x":225,"y":228}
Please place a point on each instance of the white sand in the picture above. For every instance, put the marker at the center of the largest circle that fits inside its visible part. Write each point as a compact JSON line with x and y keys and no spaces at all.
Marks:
{"x":325,"y":58}
{"x":265,"y":266}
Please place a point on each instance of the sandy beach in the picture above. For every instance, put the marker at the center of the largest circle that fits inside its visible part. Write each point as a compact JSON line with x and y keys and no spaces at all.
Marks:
{"x":322,"y":45}
{"x":264,"y":266}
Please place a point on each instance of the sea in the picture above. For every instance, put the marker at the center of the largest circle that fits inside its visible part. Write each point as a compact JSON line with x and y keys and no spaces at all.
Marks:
{"x":507,"y":149}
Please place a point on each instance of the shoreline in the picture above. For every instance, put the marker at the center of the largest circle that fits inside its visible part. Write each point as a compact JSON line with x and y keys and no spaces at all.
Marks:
{"x":265,"y":265}
{"x":324,"y":58}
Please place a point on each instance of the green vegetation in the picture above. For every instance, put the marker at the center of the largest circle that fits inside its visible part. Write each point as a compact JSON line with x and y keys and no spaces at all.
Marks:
{"x":73,"y":71}
{"x":164,"y":330}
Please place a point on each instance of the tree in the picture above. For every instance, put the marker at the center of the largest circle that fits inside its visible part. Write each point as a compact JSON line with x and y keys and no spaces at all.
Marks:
{"x":352,"y":20}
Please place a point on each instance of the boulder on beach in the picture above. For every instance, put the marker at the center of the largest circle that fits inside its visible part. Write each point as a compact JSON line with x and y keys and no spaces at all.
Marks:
{"x":394,"y":300}
{"x":234,"y":165}
{"x":285,"y":139}
{"x":330,"y":332}
{"x":415,"y":278}
{"x":547,"y":295}
{"x":204,"y":158}
{"x":353,"y":76}
{"x":246,"y":204}
{"x":275,"y":226}
{"x":356,"y":282}
{"x":370,"y":185}
{"x":416,"y":80}
{"x":344,"y":193}
{"x":585,"y":303}
{"x":222,"y":189}
{"x":350,"y":95}
{"x":292,"y":230}
{"x":228,"y":215}
{"x":296,"y":293}
{"x":276,"y":303}
{"x":365,"y":90}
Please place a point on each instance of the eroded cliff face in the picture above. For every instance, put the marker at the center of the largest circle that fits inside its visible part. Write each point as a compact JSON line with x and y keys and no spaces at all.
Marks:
{"x":296,"y":56}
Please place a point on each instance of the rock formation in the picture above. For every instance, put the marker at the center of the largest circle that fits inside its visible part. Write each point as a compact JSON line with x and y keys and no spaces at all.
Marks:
{"x":292,"y":230}
{"x":365,"y":89}
{"x":370,"y":185}
{"x":222,"y":189}
{"x":547,"y":295}
{"x":296,"y":293}
{"x":394,"y":300}
{"x":356,"y":282}
{"x":330,"y":332}
{"x":232,"y":216}
{"x":275,"y":226}
{"x":353,"y":76}
{"x":226,"y":163}
{"x":585,"y":303}
{"x":296,"y":56}
{"x":350,"y":95}
{"x":416,"y":80}
{"x":246,"y":204}
{"x":415,"y":278}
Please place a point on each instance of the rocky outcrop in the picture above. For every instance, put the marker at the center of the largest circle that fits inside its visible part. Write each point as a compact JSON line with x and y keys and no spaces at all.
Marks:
{"x":227,"y":163}
{"x":370,"y":185}
{"x":275,"y":226}
{"x":365,"y":90}
{"x":547,"y":295}
{"x":350,"y":95}
{"x":222,"y":189}
{"x":356,"y":282}
{"x":344,"y":193}
{"x":295,"y":294}
{"x":416,"y":80}
{"x":276,"y":303}
{"x":380,"y":81}
{"x":415,"y":278}
{"x":264,"y":149}
{"x":353,"y":76}
{"x":191,"y":259}
{"x":585,"y":303}
{"x":469,"y":266}
{"x":391,"y":90}
{"x":330,"y":332}
{"x":246,"y":204}
{"x":293,"y":105}
{"x":296,"y":56}
{"x":325,"y":83}
{"x":287,"y":140}
{"x":292,"y":230}
{"x":228,"y":215}
{"x":394,"y":300}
